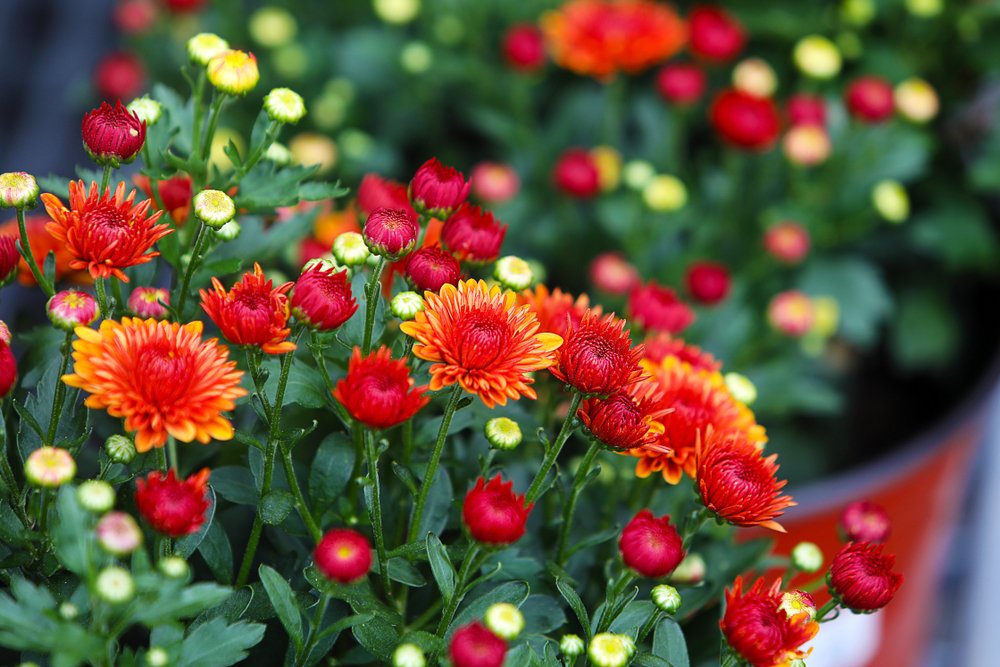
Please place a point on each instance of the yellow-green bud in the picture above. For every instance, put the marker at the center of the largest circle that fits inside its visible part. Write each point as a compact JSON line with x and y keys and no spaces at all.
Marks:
{"x":68,"y":611}
{"x":174,"y":567}
{"x":272,"y":27}
{"x":858,"y":12}
{"x":408,"y":655}
{"x":817,"y":57}
{"x":925,"y":9}
{"x":665,"y":193}
{"x":610,"y":650}
{"x":416,"y":57}
{"x":120,"y":448}
{"x":350,"y":249}
{"x":146,"y":108}
{"x":571,"y":646}
{"x":18,"y":189}
{"x":740,"y":386}
{"x":204,"y":46}
{"x":396,"y":12}
{"x":233,"y":72}
{"x":214,"y":207}
{"x":916,"y":100}
{"x":826,"y":316}
{"x":756,"y":77}
{"x":891,"y":201}
{"x":228,"y":231}
{"x":666,"y":598}
{"x":503,"y":433}
{"x":96,"y":496}
{"x":157,"y":657}
{"x":807,"y":557}
{"x":406,"y":305}
{"x":278,"y":153}
{"x":690,"y":571}
{"x":115,"y":585}
{"x":504,"y":620}
{"x":284,"y":105}
{"x":49,"y":467}
{"x":637,"y":174}
{"x":513,"y":273}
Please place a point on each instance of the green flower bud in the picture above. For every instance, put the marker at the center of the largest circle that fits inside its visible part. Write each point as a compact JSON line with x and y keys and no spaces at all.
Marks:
{"x":637,"y":174}
{"x":504,"y":620}
{"x":690,"y":571}
{"x":157,"y":657}
{"x":665,"y":193}
{"x":204,"y":46}
{"x":272,"y":27}
{"x":807,"y":557}
{"x":513,"y":273}
{"x":146,"y":108}
{"x":228,"y":231}
{"x":891,"y":201}
{"x":742,"y":389}
{"x":408,"y":655}
{"x":115,"y":585}
{"x":68,"y":611}
{"x":96,"y":496}
{"x":503,"y":433}
{"x":666,"y":598}
{"x":406,"y":305}
{"x":610,"y":650}
{"x":350,"y":249}
{"x":284,"y":105}
{"x":120,"y":448}
{"x":416,"y":58}
{"x":174,"y":567}
{"x":278,"y":153}
{"x":214,"y":207}
{"x":571,"y":646}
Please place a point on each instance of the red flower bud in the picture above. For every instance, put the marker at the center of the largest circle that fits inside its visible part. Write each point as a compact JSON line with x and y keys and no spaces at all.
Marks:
{"x":375,"y":192}
{"x":805,"y":109}
{"x":597,"y":357}
{"x":494,"y":182}
{"x":787,"y":241}
{"x":472,"y":235}
{"x":473,"y":645}
{"x":378,"y":390}
{"x":438,"y":189}
{"x":612,"y":273}
{"x":134,"y":16}
{"x":524,"y":48}
{"x":9,"y":258}
{"x":708,"y":282}
{"x":861,"y":577}
{"x":322,"y":297}
{"x":681,"y":83}
{"x":8,"y":368}
{"x":112,"y":134}
{"x":391,"y":232}
{"x":715,"y":34}
{"x":493,"y":513}
{"x":576,"y":174}
{"x":184,"y":6}
{"x":744,"y":120}
{"x":869,"y":98}
{"x":171,"y":506}
{"x":655,"y":307}
{"x":429,"y":268}
{"x":119,"y":76}
{"x":864,"y":521}
{"x":343,"y":555}
{"x":650,"y":545}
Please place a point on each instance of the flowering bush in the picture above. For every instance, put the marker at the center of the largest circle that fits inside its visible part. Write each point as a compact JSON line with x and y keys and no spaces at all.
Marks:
{"x":349,"y":463}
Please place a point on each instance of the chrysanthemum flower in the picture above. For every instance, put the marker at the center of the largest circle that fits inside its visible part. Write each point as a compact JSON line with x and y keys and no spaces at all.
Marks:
{"x":104,"y":233}
{"x":612,"y":273}
{"x":233,"y":72}
{"x":322,"y":298}
{"x":480,"y":339}
{"x":430,"y":268}
{"x":651,"y":546}
{"x":252,"y":312}
{"x":391,"y":232}
{"x":149,"y":302}
{"x":343,"y":555}
{"x":160,"y":376}
{"x":493,"y":513}
{"x":715,"y":35}
{"x":524,"y":47}
{"x":698,"y":400}
{"x":174,"y":192}
{"x":659,"y":346}
{"x":378,"y":390}
{"x":172,"y":506}
{"x":787,"y":241}
{"x":861,"y":577}
{"x":657,"y":308}
{"x":473,"y":645}
{"x":557,"y":311}
{"x":681,"y":83}
{"x":41,"y":244}
{"x":759,"y":630}
{"x":438,"y":189}
{"x":375,"y":192}
{"x":49,"y":467}
{"x":599,"y":38}
{"x":494,"y":182}
{"x":744,"y":120}
{"x":626,"y":420}
{"x":576,"y":173}
{"x":597,"y":357}
{"x":473,"y":235}
{"x":738,"y":483}
{"x":72,"y":308}
{"x":865,"y":521}
{"x":112,"y":134}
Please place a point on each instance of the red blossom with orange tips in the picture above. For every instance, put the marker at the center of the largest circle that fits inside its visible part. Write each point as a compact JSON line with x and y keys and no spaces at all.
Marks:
{"x":738,"y":483}
{"x":104,"y":233}
{"x":626,"y":420}
{"x":659,"y":346}
{"x":657,"y":308}
{"x":557,"y":311}
{"x":760,"y":630}
{"x":161,"y":377}
{"x":597,"y":357}
{"x":378,"y":390}
{"x":862,"y":578}
{"x":252,"y":313}
{"x":479,"y":338}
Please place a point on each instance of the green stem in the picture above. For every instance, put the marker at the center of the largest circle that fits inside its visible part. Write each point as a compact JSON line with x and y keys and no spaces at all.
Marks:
{"x":830,"y":605}
{"x":172,"y":454}
{"x":199,"y":112}
{"x":29,"y":256}
{"x":314,"y":629}
{"x":273,"y":128}
{"x":609,"y":614}
{"x":105,"y":179}
{"x":375,"y":511}
{"x":213,"y":122}
{"x":648,"y":626}
{"x":161,"y":459}
{"x":199,"y":239}
{"x":102,"y":297}
{"x":373,"y":294}
{"x":300,"y":501}
{"x":60,"y":395}
{"x":553,"y":452}
{"x":116,"y":292}
{"x":432,"y":465}
{"x":693,"y":524}
{"x":458,"y":594}
{"x":269,"y":455}
{"x":570,"y":507}
{"x":11,"y":483}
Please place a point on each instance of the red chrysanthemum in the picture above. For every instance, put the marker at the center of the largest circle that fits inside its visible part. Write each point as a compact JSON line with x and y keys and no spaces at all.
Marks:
{"x":438,"y":189}
{"x":681,"y":83}
{"x":744,"y":120}
{"x":322,"y":298}
{"x":759,"y":630}
{"x":175,"y":193}
{"x":160,"y":376}
{"x":805,"y":109}
{"x":474,"y":645}
{"x":134,"y":16}
{"x":657,"y":308}
{"x":391,"y":232}
{"x":104,"y":234}
{"x":651,"y":546}
{"x":524,"y":48}
{"x":375,"y":192}
{"x":576,"y":173}
{"x":707,"y":282}
{"x":787,"y":241}
{"x":8,"y":369}
{"x":473,"y":235}
{"x":861,"y":577}
{"x":626,"y":420}
{"x":431,"y":268}
{"x":493,"y":513}
{"x":698,"y":400}
{"x":119,"y":76}
{"x":715,"y":34}
{"x":343,"y":555}
{"x":865,"y":521}
{"x":9,"y":257}
{"x":171,"y":506}
{"x":597,"y":357}
{"x":378,"y":390}
{"x":600,"y":38}
{"x":738,"y":483}
{"x":252,"y":312}
{"x":494,"y":182}
{"x":659,"y":346}
{"x":869,"y":98}
{"x":112,"y":134}
{"x":612,"y":273}
{"x":41,"y":244}
{"x":557,"y":311}
{"x":479,"y":338}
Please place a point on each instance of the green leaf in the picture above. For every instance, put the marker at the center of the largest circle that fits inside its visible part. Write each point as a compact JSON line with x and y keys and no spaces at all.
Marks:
{"x":217,"y":552}
{"x":266,"y":187}
{"x":73,"y":532}
{"x":189,"y":601}
{"x":514,"y":592}
{"x":186,"y":545}
{"x":668,"y":643}
{"x":331,"y":469}
{"x":235,"y":484}
{"x":924,"y":333}
{"x":633,"y":616}
{"x":543,"y":614}
{"x":576,"y":604}
{"x":404,"y":572}
{"x":864,"y":300}
{"x":650,"y":660}
{"x":283,"y":600}
{"x":216,"y":644}
{"x":441,"y":567}
{"x":276,"y":506}
{"x":439,"y":500}
{"x":305,"y":385}
{"x":318,"y":191}
{"x":378,"y":636}
{"x":54,"y":184}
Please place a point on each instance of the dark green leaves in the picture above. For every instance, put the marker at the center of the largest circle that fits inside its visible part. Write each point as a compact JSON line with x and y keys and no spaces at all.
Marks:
{"x":283,"y":600}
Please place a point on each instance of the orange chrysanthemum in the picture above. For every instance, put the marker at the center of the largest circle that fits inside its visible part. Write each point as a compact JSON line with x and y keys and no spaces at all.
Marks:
{"x":252,"y":312}
{"x":103,"y":233}
{"x":738,"y":483}
{"x":556,"y":311}
{"x":699,"y":400}
{"x":599,"y":38}
{"x":482,"y":340}
{"x":160,"y":376}
{"x":759,"y":628}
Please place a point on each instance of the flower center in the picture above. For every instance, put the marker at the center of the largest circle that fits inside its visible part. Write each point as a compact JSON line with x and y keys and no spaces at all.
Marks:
{"x":163,"y":374}
{"x":481,"y":340}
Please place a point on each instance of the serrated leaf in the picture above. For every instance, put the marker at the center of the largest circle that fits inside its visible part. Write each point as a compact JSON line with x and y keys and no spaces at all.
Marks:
{"x":283,"y":600}
{"x":216,"y":644}
{"x":189,"y":601}
{"x":441,"y":567}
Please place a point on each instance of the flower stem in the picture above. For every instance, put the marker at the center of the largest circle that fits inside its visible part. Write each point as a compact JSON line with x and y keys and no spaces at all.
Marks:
{"x":213,"y":121}
{"x":60,"y":394}
{"x":570,"y":507}
{"x":102,"y":297}
{"x":610,"y":613}
{"x":105,"y":179}
{"x":458,"y":594}
{"x":300,"y":501}
{"x":314,"y":629}
{"x":172,"y":454}
{"x":116,"y":292}
{"x":189,"y":269}
{"x":648,"y":626}
{"x":553,"y":452}
{"x":273,"y":128}
{"x":375,"y":511}
{"x":693,"y":524}
{"x":199,"y":112}
{"x":830,"y":605}
{"x":372,"y":297}
{"x":29,"y":256}
{"x":432,"y":465}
